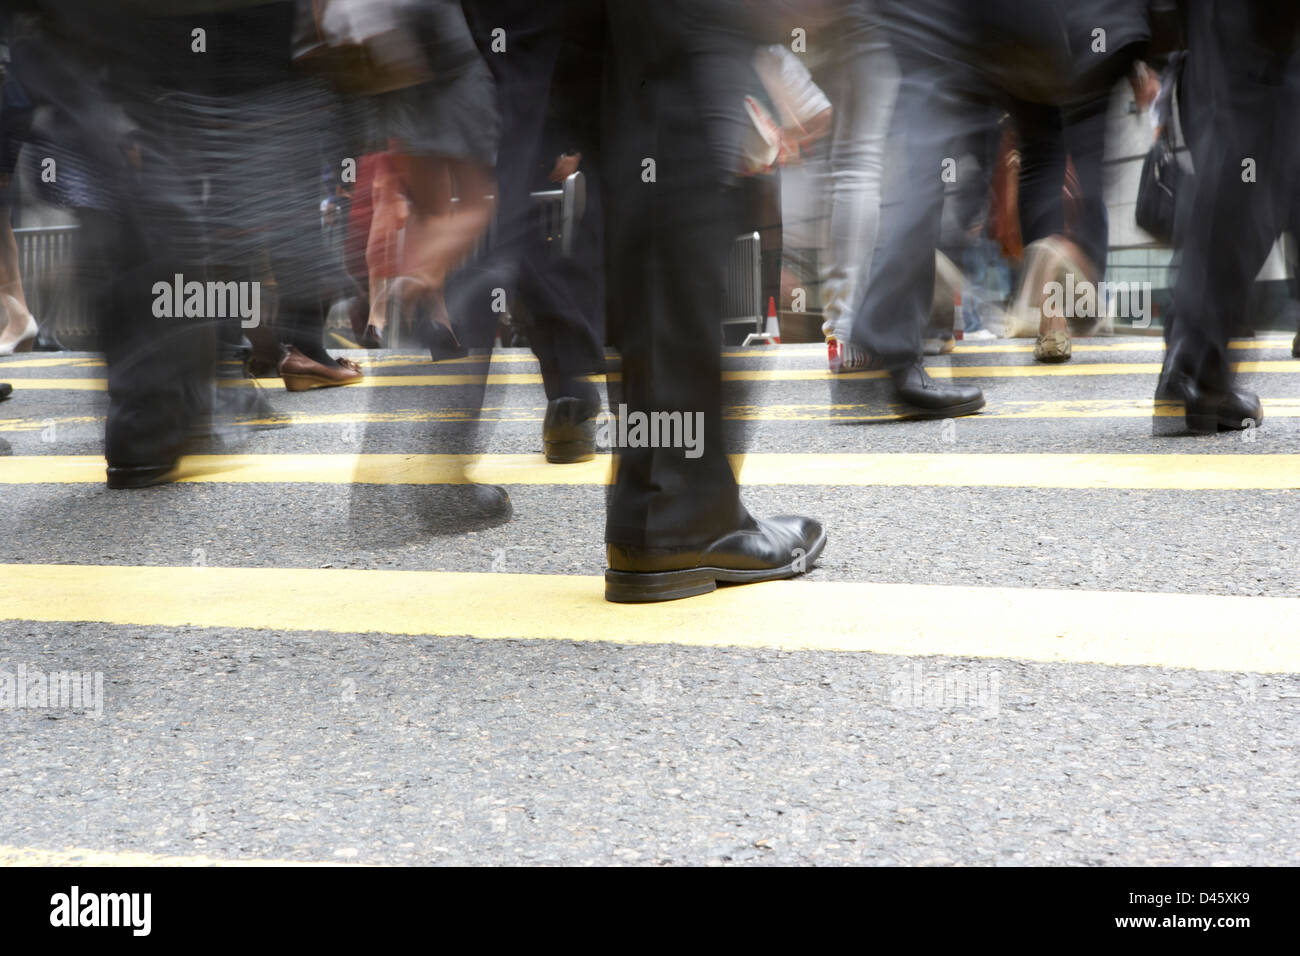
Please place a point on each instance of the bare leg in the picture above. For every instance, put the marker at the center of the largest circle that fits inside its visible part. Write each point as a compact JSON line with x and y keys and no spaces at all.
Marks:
{"x":11,"y":283}
{"x":440,"y":234}
{"x":386,"y":221}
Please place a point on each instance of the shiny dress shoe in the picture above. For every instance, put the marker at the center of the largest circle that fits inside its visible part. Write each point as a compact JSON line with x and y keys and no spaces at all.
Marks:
{"x":139,"y":476}
{"x":775,"y":548}
{"x":923,"y":397}
{"x":301,"y":373}
{"x":5,"y":390}
{"x":1185,"y":406}
{"x":569,"y":431}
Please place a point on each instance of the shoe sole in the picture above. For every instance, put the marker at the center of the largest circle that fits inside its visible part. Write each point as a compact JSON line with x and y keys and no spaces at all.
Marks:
{"x":916,"y":413}
{"x":1183,"y":422}
{"x":134,"y":480}
{"x":1052,"y":348}
{"x":569,"y":453}
{"x":880,"y":400}
{"x":301,"y":383}
{"x":636,"y":587}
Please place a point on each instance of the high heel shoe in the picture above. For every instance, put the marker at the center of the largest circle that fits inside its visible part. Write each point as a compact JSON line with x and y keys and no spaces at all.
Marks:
{"x":24,"y":340}
{"x":443,"y":343}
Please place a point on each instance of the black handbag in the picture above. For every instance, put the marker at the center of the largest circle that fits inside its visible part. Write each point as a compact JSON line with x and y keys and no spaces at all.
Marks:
{"x":1157,"y":196}
{"x":1158,"y":189}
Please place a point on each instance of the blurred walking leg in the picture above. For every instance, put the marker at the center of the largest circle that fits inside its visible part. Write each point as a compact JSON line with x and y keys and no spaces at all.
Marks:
{"x":1242,"y":75}
{"x":675,"y":525}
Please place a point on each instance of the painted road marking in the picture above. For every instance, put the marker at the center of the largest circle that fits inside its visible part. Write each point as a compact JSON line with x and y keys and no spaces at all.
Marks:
{"x":811,"y":412}
{"x":1075,"y":370}
{"x":383,"y":359}
{"x":1224,"y":472}
{"x":78,"y":856}
{"x":1202,"y":632}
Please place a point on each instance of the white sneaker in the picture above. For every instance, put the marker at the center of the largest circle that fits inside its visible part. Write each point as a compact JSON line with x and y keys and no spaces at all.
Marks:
{"x":982,"y":335}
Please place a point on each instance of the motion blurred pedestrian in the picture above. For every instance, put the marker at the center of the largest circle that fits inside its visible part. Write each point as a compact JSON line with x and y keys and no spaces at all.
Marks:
{"x":1240,"y":104}
{"x":678,"y":75}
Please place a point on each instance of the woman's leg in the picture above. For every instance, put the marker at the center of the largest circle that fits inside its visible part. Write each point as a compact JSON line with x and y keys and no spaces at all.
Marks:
{"x":388,"y":218}
{"x":441,"y":234}
{"x":11,"y":283}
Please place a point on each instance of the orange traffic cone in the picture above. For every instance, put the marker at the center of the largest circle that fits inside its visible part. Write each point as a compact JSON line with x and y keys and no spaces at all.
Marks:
{"x":772,"y":334}
{"x":773,"y":329}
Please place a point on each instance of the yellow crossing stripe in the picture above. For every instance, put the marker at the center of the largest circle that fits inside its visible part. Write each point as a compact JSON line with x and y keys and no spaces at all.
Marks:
{"x":1069,"y":370}
{"x":1002,"y":408}
{"x":77,"y":856}
{"x":385,"y":359}
{"x":1202,"y":632}
{"x":1225,"y":472}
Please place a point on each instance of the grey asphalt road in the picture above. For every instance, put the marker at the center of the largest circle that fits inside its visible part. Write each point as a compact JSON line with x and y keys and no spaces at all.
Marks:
{"x":241,"y":744}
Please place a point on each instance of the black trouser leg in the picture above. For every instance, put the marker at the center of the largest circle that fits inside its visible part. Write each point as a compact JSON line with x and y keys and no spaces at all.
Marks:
{"x":159,"y":369}
{"x":669,"y":269}
{"x":565,"y":295}
{"x":1040,"y":130}
{"x":1085,"y":140}
{"x":1242,"y":70}
{"x":930,"y":117}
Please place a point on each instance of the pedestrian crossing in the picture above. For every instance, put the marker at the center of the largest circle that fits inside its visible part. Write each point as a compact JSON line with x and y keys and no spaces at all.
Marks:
{"x":1121,"y":627}
{"x":453,"y":380}
{"x":757,"y":354}
{"x":824,"y":412}
{"x":966,"y":470}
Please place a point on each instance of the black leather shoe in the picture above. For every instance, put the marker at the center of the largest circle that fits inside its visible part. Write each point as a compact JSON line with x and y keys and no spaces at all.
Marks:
{"x":122,"y":478}
{"x":923,"y":397}
{"x":5,"y":390}
{"x":780,"y":547}
{"x":569,"y":432}
{"x":1184,"y":405}
{"x":47,"y":340}
{"x":1295,"y":346}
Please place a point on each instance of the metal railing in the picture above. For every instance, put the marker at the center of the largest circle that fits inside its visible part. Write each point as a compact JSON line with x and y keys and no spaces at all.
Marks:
{"x":46,"y":260}
{"x":560,"y":211}
{"x":742,"y":300}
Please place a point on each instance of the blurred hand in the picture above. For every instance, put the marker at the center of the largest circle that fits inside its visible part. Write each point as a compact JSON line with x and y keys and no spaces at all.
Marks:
{"x":566,"y":164}
{"x":796,"y":139}
{"x":1145,"y":83}
{"x":817,"y":127}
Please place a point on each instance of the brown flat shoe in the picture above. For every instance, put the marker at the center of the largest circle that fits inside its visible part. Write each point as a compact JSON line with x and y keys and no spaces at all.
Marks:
{"x":301,"y":373}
